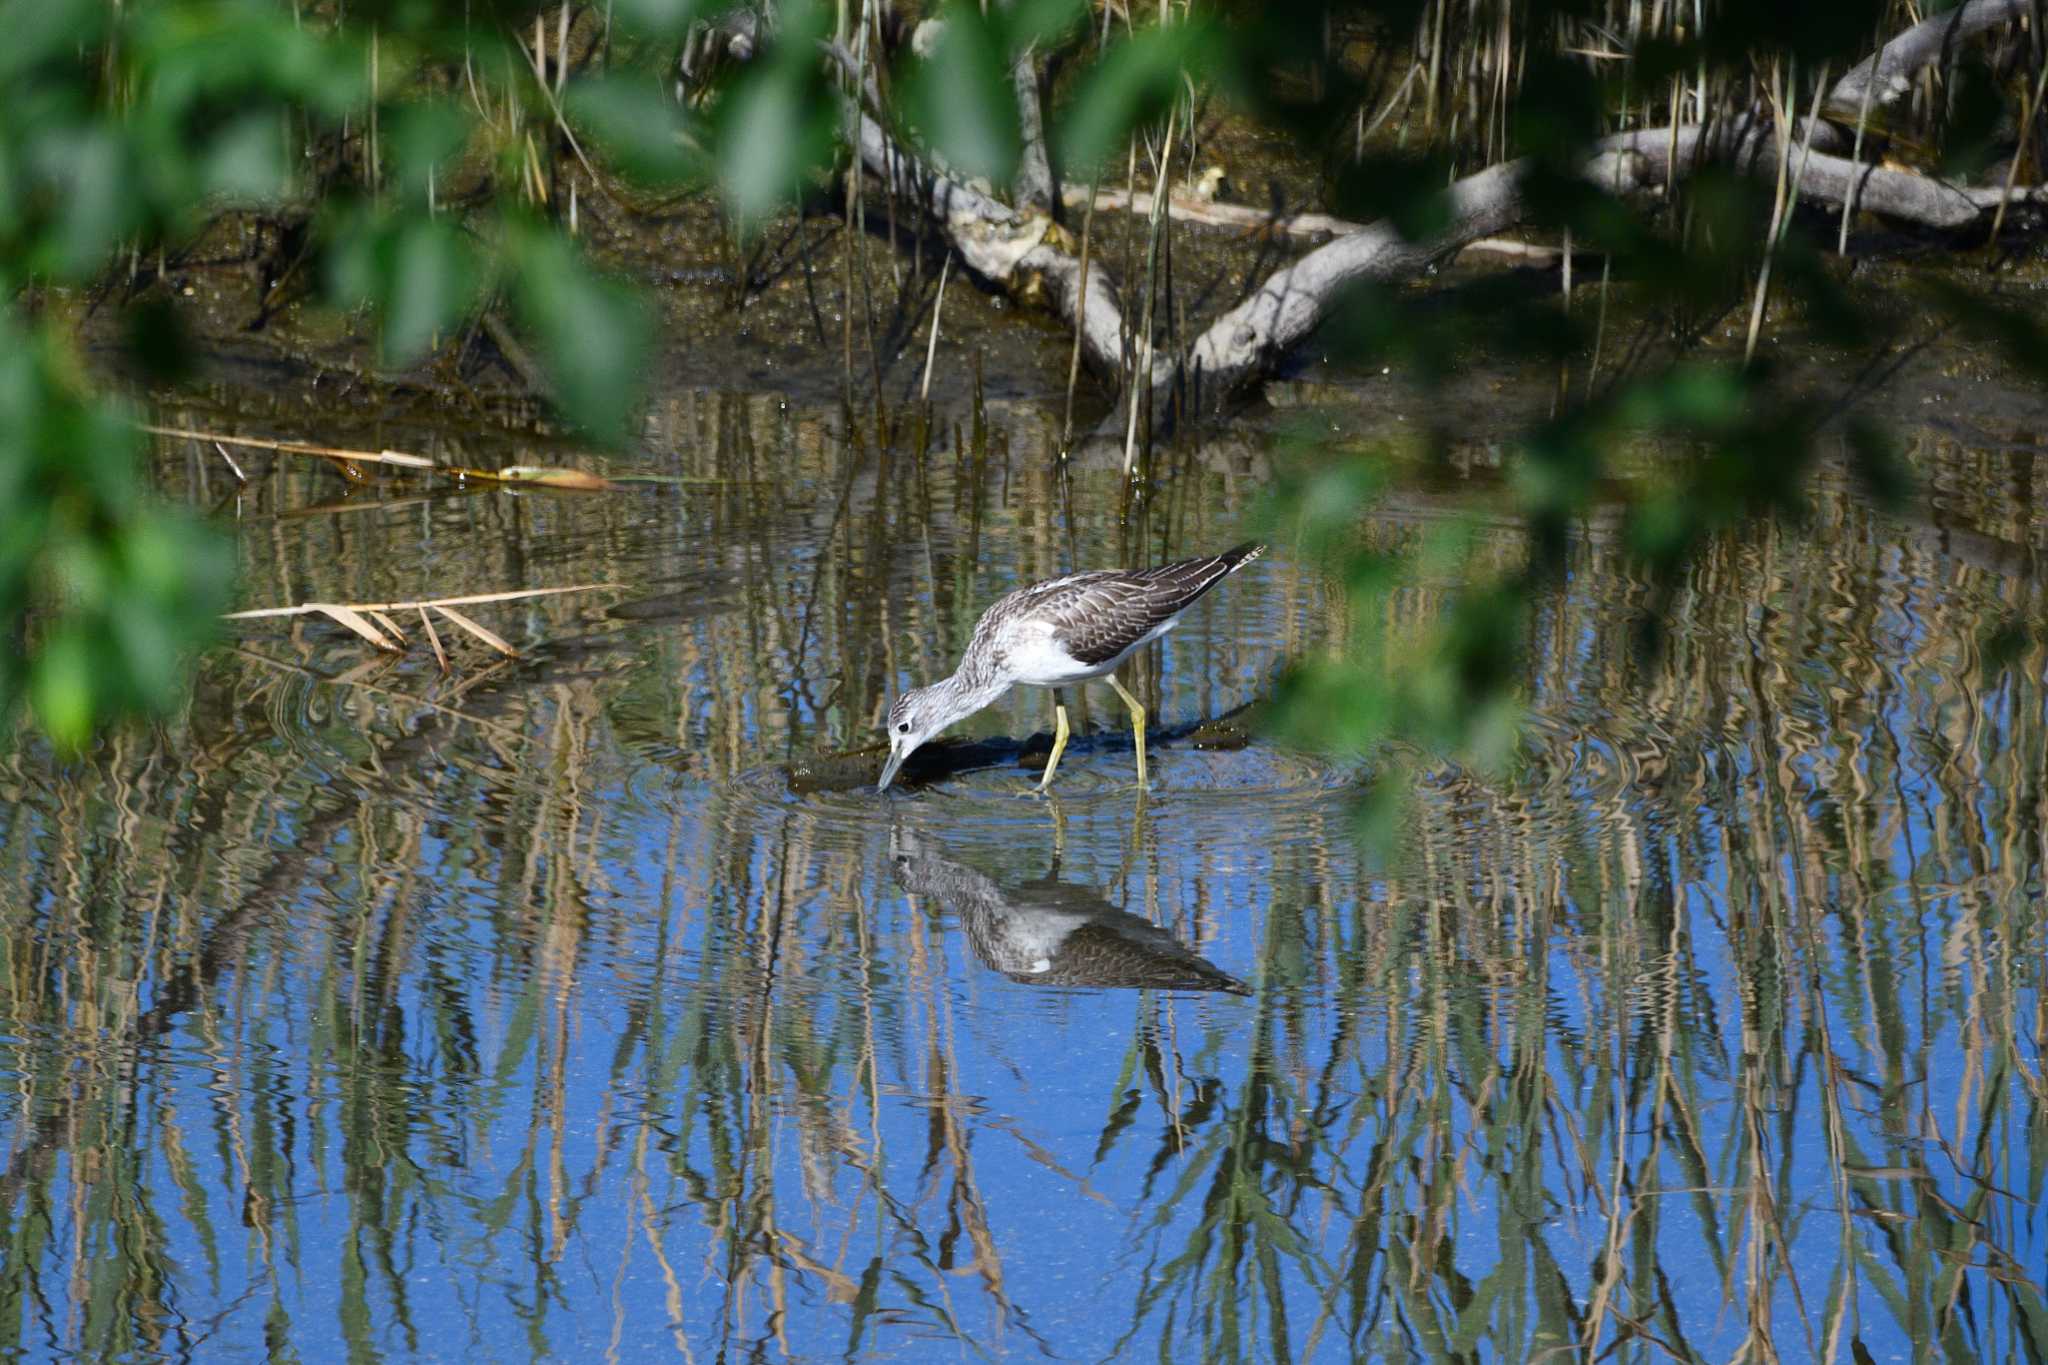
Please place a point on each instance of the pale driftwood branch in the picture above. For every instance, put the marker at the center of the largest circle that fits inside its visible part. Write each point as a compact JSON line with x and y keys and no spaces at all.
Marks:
{"x":1665,"y":154}
{"x":1316,"y":227}
{"x":1889,"y":72}
{"x":1035,"y":188}
{"x":1290,"y":305}
{"x":1023,"y":251}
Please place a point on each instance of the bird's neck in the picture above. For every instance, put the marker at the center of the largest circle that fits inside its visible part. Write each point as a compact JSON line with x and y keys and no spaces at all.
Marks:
{"x":967,"y":691}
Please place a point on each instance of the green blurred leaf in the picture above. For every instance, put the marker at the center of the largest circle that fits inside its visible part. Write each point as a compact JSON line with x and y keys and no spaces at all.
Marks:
{"x":773,"y":129}
{"x":594,"y":335}
{"x":41,"y":30}
{"x":421,"y":138}
{"x":666,"y":18}
{"x":1025,"y":22}
{"x":222,"y":52}
{"x":643,"y":130}
{"x":1977,"y":123}
{"x":97,"y":206}
{"x":961,"y":97}
{"x":157,"y":342}
{"x":1880,"y":466}
{"x":431,"y":280}
{"x":247,"y":162}
{"x":1138,"y":80}
{"x":147,"y":652}
{"x":11,"y":193}
{"x":61,"y":688}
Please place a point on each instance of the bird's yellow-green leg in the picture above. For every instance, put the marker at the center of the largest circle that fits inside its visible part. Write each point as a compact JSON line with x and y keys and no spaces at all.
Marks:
{"x":1137,"y":724}
{"x":1059,"y":741}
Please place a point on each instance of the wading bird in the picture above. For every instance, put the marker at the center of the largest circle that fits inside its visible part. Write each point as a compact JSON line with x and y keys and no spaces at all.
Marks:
{"x":1050,"y":634}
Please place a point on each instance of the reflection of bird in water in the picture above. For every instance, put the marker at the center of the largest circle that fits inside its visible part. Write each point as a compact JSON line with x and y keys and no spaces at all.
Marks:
{"x":1054,"y":933}
{"x":1065,"y":630}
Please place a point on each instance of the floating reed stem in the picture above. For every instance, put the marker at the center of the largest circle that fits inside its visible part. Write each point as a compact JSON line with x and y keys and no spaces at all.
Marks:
{"x":372,"y":620}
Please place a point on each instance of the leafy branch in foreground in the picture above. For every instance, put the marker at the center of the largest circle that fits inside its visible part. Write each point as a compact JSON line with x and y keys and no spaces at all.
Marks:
{"x":400,"y":158}
{"x":103,"y":589}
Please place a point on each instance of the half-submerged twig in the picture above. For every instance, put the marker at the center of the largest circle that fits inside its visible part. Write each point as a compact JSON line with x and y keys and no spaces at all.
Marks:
{"x":372,"y":620}
{"x":542,"y":476}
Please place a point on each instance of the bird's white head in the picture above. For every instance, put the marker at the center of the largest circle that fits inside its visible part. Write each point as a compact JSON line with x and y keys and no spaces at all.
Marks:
{"x":914,"y":717}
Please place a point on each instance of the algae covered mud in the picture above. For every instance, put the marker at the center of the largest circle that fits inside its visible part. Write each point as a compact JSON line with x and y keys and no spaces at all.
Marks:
{"x":566,"y":1006}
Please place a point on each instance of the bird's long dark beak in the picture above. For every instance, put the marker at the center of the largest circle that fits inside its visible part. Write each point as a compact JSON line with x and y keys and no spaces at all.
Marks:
{"x":896,"y":757}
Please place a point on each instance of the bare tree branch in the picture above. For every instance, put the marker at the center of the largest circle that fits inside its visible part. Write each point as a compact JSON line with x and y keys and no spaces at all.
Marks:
{"x":1028,"y":254}
{"x":1890,"y":70}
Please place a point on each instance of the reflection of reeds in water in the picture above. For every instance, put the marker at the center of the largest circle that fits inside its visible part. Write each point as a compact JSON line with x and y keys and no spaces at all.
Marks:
{"x":1714,"y":1027}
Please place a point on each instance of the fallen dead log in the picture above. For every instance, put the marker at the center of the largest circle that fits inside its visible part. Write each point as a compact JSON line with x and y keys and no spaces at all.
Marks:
{"x":1032,"y":257}
{"x":1887,"y":74}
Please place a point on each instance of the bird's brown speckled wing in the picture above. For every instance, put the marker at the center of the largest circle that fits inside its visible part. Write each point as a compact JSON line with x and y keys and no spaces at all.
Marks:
{"x":1097,"y":616}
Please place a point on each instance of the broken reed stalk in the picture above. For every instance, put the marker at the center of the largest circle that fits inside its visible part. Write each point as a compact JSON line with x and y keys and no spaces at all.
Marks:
{"x":390,"y":457}
{"x":1080,"y":313}
{"x":372,"y":620}
{"x":240,"y":477}
{"x":543,"y":476}
{"x":1141,"y":395}
{"x":931,"y":348}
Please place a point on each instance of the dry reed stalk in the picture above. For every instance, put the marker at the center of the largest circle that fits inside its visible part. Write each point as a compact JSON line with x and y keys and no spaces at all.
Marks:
{"x":1080,"y":313}
{"x":1162,"y":190}
{"x":931,"y":348}
{"x":371,"y":620}
{"x":2019,"y":151}
{"x":390,"y":457}
{"x":240,"y":477}
{"x":545,"y":476}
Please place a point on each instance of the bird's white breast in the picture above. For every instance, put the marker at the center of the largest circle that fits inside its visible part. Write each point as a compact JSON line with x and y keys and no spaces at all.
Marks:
{"x":1033,"y":655}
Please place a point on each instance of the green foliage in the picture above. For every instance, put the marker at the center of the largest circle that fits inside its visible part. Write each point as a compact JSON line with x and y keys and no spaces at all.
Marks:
{"x":102,"y":589}
{"x":650,"y":138}
{"x":419,"y":273}
{"x":1135,"y":82}
{"x":125,"y":130}
{"x":775,"y":123}
{"x":593,"y":332}
{"x":960,"y":100}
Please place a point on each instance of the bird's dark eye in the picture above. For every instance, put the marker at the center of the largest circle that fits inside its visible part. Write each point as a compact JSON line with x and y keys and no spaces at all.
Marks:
{"x":904,"y":728}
